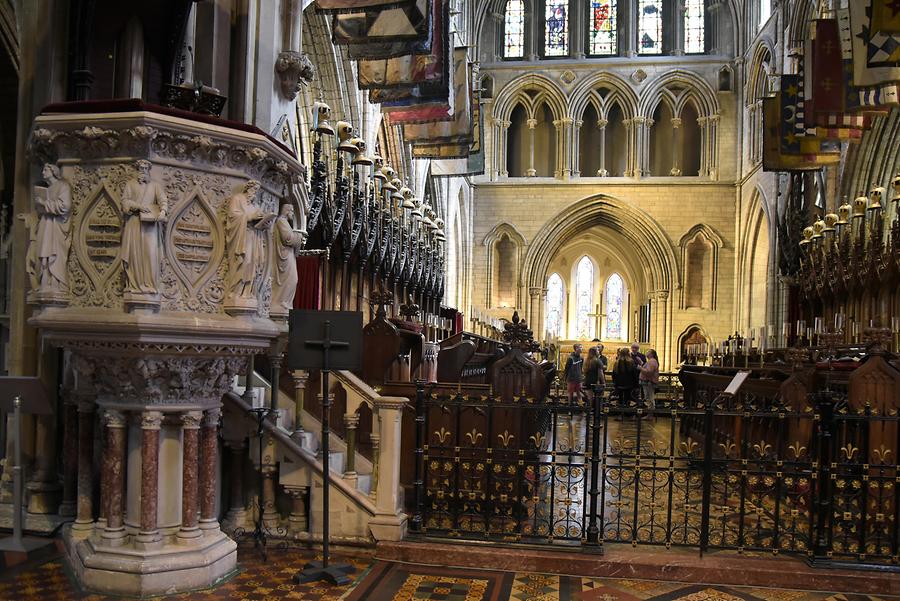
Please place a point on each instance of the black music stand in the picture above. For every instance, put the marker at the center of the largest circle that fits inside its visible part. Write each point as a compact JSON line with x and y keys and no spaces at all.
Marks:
{"x":325,"y":340}
{"x":21,"y":394}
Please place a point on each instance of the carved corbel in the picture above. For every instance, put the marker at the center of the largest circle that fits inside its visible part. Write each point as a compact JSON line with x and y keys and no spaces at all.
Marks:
{"x":294,"y":69}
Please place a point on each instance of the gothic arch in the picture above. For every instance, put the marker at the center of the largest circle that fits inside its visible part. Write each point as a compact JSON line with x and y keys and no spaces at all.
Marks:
{"x":757,"y":85}
{"x":706,"y":235}
{"x":688,"y":331}
{"x":752,"y":250}
{"x":676,"y":84}
{"x":515,"y":93}
{"x":804,"y":11}
{"x":605,"y":211}
{"x":495,"y":242}
{"x":620,"y":91}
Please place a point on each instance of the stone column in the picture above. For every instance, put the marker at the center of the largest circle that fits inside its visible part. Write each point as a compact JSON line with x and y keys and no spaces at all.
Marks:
{"x":190,"y":436}
{"x":564,"y":150}
{"x":712,"y":148}
{"x":389,"y":521}
{"x":532,"y":124}
{"x":375,"y":439}
{"x":676,"y":147}
{"x":601,"y":125}
{"x":630,"y":159}
{"x":114,"y":476}
{"x":663,"y":340}
{"x":237,"y":510}
{"x":351,"y":422}
{"x":84,"y":518}
{"x":701,"y":124}
{"x":70,"y":457}
{"x":275,"y":360}
{"x":628,"y":26}
{"x":209,"y":453}
{"x":535,"y":294}
{"x":300,"y":379}
{"x":576,"y":147}
{"x":678,"y":28}
{"x":298,"y":520}
{"x":270,"y":516}
{"x":501,"y":130}
{"x":149,"y":535}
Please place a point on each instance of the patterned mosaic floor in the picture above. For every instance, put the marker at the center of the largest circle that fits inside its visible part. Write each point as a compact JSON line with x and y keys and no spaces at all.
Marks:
{"x":385,"y":581}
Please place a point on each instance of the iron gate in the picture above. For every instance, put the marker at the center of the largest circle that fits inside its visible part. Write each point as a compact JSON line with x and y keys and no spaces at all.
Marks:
{"x":746,"y":473}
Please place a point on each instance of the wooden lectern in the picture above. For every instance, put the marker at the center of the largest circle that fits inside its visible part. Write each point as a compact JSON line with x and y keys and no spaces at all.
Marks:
{"x":22,"y":395}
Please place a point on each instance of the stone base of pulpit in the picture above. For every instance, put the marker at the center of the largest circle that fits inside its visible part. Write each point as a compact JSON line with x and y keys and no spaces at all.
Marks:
{"x":48,"y":298}
{"x":141,"y":302}
{"x":241,"y":306}
{"x":175,"y":567}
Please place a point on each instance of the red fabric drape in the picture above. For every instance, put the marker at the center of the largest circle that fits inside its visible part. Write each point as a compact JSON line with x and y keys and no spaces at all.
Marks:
{"x":308,"y":294}
{"x":458,"y":325}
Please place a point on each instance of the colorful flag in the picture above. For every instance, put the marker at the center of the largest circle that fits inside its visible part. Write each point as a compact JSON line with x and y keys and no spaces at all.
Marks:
{"x":876,"y":56}
{"x":376,"y":50}
{"x":886,"y":16}
{"x":411,"y":69}
{"x":457,"y":150}
{"x":399,"y":24}
{"x":458,"y":129}
{"x":773,"y":132}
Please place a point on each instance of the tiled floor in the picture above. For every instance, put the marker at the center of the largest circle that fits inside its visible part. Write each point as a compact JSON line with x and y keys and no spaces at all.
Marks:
{"x":386,"y":581}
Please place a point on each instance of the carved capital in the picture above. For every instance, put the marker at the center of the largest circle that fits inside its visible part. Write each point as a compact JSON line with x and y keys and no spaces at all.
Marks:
{"x":602,"y":123}
{"x":351,"y":421}
{"x":293,"y":70}
{"x":676,"y":122}
{"x":190,"y":420}
{"x":151,"y":420}
{"x":115,"y":419}
{"x":211,"y":418}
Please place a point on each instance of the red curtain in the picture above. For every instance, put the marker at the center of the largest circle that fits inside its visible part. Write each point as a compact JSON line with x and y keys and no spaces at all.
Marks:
{"x":308,"y":294}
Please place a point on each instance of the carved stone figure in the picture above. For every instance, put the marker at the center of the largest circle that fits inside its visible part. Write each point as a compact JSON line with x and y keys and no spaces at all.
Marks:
{"x":53,"y":205}
{"x":287,"y":242}
{"x":246,"y":226}
{"x":145,"y":206}
{"x":293,"y":69}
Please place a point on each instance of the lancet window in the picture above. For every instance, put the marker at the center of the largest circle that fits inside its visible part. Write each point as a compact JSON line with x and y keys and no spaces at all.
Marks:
{"x":556,"y":28}
{"x":584,"y":295}
{"x":694,"y":30}
{"x":553,"y":322}
{"x":514,"y":29}
{"x":615,"y":303}
{"x":650,"y":26}
{"x":602,"y":27}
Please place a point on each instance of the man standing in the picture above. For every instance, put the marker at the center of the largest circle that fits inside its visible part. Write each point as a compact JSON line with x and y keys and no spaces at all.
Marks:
{"x":637,"y":356}
{"x":145,"y":206}
{"x":573,"y":372}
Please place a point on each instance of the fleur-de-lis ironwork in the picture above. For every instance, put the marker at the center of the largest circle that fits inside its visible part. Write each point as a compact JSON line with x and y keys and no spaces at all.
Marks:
{"x":848,"y":451}
{"x":442,"y":435}
{"x":474,"y":436}
{"x":797,"y":449}
{"x":538,"y":440}
{"x":881,"y":454}
{"x":505,"y":438}
{"x":727,"y":448}
{"x":689,"y":446}
{"x":762,"y":448}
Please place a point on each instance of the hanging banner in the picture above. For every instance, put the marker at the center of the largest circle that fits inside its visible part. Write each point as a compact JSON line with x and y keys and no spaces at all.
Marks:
{"x":411,"y":69}
{"x":886,"y":16}
{"x":876,"y":56}
{"x":401,"y":24}
{"x":458,"y":151}
{"x":773,"y":158}
{"x":381,"y":50}
{"x":331,"y":6}
{"x":459,"y":129}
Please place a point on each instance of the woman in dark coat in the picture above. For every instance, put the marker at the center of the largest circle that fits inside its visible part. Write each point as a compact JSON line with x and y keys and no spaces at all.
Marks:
{"x":625,"y":377}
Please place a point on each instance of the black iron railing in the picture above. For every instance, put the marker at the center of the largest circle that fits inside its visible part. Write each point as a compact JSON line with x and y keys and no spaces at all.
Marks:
{"x":743,"y":472}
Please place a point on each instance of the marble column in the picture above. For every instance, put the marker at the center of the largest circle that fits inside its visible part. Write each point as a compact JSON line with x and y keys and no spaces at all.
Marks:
{"x":209,"y":451}
{"x":100,"y":523}
{"x":501,"y":131}
{"x":237,"y":510}
{"x":375,"y":439}
{"x":70,"y":457}
{"x":149,"y":536}
{"x":270,"y":516}
{"x":190,"y":429}
{"x":300,"y":379}
{"x":114,"y":476}
{"x":84,"y":518}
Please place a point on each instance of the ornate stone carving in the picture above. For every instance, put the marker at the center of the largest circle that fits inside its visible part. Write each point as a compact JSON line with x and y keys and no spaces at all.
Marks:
{"x":151,"y":420}
{"x":287,"y":242}
{"x":48,"y":253}
{"x":158,"y":380}
{"x":293,"y":69}
{"x":246,"y":228}
{"x":144,"y":206}
{"x":190,"y":420}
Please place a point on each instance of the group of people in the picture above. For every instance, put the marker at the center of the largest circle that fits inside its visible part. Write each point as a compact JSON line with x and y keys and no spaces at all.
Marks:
{"x":634,"y":374}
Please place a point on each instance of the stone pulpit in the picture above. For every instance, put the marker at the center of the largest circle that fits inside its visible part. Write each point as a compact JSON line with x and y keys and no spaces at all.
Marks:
{"x":152,"y":263}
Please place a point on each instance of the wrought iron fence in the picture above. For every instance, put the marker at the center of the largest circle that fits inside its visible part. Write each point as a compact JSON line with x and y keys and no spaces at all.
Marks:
{"x":744,"y":472}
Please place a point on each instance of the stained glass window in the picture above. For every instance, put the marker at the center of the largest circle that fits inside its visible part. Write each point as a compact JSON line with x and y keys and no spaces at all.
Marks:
{"x":694,"y":27}
{"x":514,"y":29}
{"x":556,"y":28}
{"x":765,"y":11}
{"x":602,"y":34}
{"x":615,"y":299}
{"x":584,"y":295}
{"x":553,"y":323}
{"x":650,"y":26}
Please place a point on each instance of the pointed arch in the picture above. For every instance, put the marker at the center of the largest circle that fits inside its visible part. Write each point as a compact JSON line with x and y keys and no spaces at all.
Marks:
{"x":614,"y":294}
{"x":505,"y":246}
{"x":700,"y":247}
{"x":530,"y":89}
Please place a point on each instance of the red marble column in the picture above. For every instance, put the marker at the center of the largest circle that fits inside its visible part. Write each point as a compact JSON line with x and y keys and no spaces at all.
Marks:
{"x":114,"y":477}
{"x":84,"y":518}
{"x":150,"y":424}
{"x":208,"y":459}
{"x":104,"y":472}
{"x":70,"y":457}
{"x":190,"y":428}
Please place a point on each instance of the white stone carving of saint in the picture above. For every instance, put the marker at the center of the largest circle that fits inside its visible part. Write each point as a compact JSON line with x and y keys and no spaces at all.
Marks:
{"x":287,"y":242}
{"x":145,"y":206}
{"x":246,"y":226}
{"x":53,"y":205}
